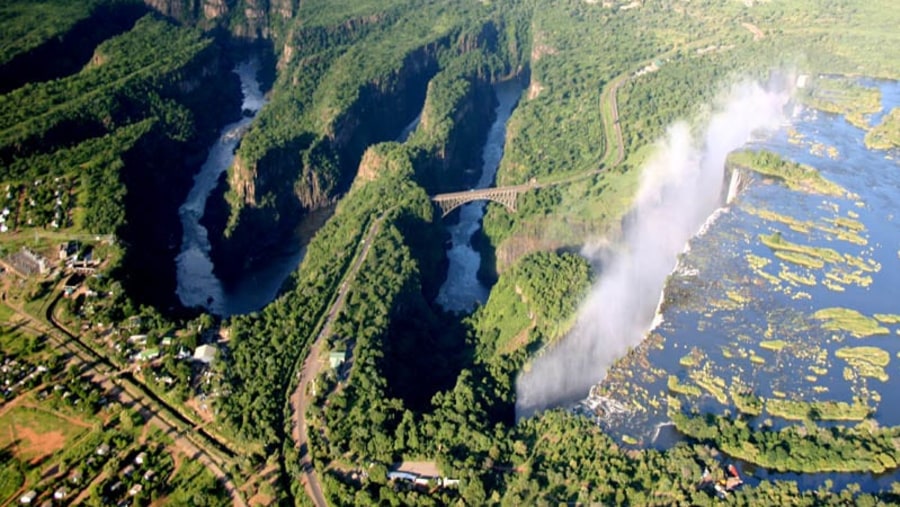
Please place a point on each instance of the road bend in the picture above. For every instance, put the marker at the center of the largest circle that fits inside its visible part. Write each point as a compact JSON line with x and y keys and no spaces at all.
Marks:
{"x":312,"y":365}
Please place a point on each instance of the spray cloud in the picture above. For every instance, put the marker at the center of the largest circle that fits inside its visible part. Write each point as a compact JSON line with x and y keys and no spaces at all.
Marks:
{"x":680,"y":188}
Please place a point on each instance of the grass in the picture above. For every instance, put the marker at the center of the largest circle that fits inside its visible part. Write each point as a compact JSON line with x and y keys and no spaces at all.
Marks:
{"x":822,"y":410}
{"x":676,"y":386}
{"x":796,"y":278}
{"x":748,"y":404}
{"x":36,"y":433}
{"x":845,"y":97}
{"x":775,"y":345}
{"x":850,"y":321}
{"x":800,"y":259}
{"x":11,"y":478}
{"x":777,"y":243}
{"x":872,"y":355}
{"x":711,"y":384}
{"x":887,"y":318}
{"x":844,"y":229}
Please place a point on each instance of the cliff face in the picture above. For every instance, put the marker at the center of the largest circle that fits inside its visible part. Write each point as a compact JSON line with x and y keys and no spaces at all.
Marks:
{"x":161,"y":170}
{"x":449,"y":166}
{"x":270,"y":196}
{"x":263,"y":199}
{"x":244,"y":19}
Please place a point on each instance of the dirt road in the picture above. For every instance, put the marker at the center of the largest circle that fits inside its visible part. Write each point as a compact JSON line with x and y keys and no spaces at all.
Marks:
{"x":124,"y":389}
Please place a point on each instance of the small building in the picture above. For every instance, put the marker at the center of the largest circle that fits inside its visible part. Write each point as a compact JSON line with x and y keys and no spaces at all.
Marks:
{"x":27,"y":498}
{"x":147,"y":354}
{"x":137,"y":339}
{"x":205,"y":354}
{"x":337,"y":358}
{"x":76,"y":477}
{"x":61,"y":493}
{"x":137,"y":488}
{"x":139,"y":459}
{"x":102,"y":450}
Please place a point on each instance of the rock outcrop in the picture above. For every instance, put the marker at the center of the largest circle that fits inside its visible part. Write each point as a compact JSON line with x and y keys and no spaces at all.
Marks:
{"x":244,"y":19}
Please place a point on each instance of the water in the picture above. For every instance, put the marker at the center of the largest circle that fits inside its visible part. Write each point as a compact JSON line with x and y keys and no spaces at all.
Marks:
{"x":409,"y":129}
{"x":462,"y":290}
{"x":197,"y":284}
{"x":720,"y":307}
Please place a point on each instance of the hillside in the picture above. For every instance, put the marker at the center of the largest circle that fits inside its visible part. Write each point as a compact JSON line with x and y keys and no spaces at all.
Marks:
{"x":102,"y":131}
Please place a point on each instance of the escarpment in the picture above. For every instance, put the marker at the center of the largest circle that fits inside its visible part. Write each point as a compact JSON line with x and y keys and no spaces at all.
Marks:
{"x":243,"y":19}
{"x":341,"y":89}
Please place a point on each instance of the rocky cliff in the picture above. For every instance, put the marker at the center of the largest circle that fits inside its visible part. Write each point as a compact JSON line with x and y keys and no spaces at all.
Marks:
{"x":293,"y":170}
{"x":243,"y":19}
{"x":268,"y":197}
{"x":162,"y":168}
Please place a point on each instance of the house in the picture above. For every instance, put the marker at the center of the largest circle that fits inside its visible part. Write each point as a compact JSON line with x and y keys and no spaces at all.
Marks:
{"x":137,"y":488}
{"x":205,"y":354}
{"x":147,"y":355}
{"x":137,"y":339}
{"x":60,"y":493}
{"x":103,"y":450}
{"x":27,"y":498}
{"x":139,"y":459}
{"x":337,"y":358}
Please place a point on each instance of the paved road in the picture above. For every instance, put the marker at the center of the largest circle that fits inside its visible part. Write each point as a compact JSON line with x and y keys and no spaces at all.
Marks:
{"x":610,"y":124}
{"x":302,"y":396}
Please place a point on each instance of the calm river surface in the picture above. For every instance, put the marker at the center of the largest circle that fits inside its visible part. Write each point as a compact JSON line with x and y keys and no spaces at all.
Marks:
{"x":730,"y":293}
{"x":462,"y":291}
{"x":197,"y":284}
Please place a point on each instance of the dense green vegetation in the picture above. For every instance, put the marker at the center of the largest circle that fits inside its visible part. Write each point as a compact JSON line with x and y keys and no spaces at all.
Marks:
{"x":807,"y":448}
{"x":28,"y":25}
{"x":795,"y":176}
{"x":132,"y":116}
{"x":421,"y":384}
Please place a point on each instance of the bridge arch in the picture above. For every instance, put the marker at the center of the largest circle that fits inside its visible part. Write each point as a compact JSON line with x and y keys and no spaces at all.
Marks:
{"x":449,"y":202}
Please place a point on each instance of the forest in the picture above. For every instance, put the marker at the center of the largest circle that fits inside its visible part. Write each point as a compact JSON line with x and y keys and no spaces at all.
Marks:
{"x":108,"y":143}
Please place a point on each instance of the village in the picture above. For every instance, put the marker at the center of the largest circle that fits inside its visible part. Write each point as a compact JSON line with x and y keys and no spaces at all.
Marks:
{"x":75,"y":435}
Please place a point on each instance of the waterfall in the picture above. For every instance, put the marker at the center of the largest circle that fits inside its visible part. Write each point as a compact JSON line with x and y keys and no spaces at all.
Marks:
{"x":737,"y":183}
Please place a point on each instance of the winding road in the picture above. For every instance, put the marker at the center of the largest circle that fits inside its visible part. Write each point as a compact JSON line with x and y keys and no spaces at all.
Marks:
{"x":301,"y":398}
{"x":312,"y":365}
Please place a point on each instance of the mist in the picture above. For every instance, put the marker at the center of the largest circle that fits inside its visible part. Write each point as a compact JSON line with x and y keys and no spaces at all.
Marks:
{"x":680,"y":188}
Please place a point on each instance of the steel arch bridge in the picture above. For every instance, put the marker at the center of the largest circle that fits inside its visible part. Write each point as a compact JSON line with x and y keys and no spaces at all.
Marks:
{"x":506,"y":196}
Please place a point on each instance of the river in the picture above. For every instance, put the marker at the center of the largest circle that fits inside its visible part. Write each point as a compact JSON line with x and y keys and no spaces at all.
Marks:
{"x":462,"y":291}
{"x":739,"y":318}
{"x":197,"y":284}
